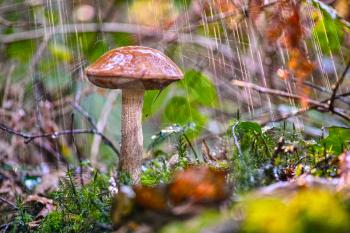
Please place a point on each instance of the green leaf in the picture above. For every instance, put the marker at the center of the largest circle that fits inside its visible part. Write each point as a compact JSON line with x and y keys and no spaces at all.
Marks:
{"x":337,"y":140}
{"x":329,"y":34}
{"x":61,"y":52}
{"x":153,"y":101}
{"x":246,"y":132}
{"x":22,"y":50}
{"x":170,"y":131}
{"x":123,"y":39}
{"x":82,"y":41}
{"x":179,"y":111}
{"x":199,"y":88}
{"x":53,"y":16}
{"x":97,"y":50}
{"x":248,"y":127}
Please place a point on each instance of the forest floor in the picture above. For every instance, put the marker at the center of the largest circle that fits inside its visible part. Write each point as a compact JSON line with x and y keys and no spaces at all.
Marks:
{"x":258,"y":180}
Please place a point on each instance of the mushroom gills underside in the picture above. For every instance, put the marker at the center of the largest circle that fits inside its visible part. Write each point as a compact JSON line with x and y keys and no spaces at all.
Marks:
{"x":130,"y":83}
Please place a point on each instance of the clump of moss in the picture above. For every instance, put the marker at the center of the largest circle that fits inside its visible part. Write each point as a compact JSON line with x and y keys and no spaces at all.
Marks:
{"x":80,"y":208}
{"x":309,"y":211}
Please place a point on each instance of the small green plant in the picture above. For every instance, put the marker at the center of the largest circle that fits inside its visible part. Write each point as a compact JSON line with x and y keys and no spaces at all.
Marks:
{"x":80,"y":208}
{"x":155,"y":172}
{"x":22,"y":218}
{"x":261,"y":156}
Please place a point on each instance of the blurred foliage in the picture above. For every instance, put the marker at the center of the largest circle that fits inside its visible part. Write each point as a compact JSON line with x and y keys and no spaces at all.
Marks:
{"x":157,"y":170}
{"x":329,"y":34}
{"x":21,"y":51}
{"x":182,"y":4}
{"x":202,"y":222}
{"x":308,"y":211}
{"x":337,"y":140}
{"x":263,"y":156}
{"x":86,"y":208}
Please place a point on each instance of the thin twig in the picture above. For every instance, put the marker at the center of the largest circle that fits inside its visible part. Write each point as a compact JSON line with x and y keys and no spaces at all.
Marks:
{"x":168,"y":36}
{"x":192,"y":148}
{"x":101,"y":124}
{"x":84,"y":113}
{"x":77,"y":150}
{"x":266,"y":90}
{"x":300,"y":111}
{"x":38,"y":92}
{"x":8,"y":23}
{"x":9,"y":203}
{"x":337,"y":86}
{"x":238,"y":146}
{"x":30,"y":137}
{"x":322,"y":89}
{"x":313,"y":103}
{"x":80,"y":28}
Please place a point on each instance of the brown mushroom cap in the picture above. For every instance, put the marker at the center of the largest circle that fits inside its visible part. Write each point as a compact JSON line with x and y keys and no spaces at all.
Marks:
{"x":133,"y":67}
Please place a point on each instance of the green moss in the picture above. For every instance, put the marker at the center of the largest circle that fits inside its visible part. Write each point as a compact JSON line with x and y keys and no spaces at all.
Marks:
{"x":79,"y":208}
{"x":309,"y":211}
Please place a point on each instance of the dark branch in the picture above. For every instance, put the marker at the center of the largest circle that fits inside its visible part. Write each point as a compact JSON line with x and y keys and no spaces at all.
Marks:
{"x":8,"y":203}
{"x":337,"y":86}
{"x":313,"y":104}
{"x":84,"y":113}
{"x":30,"y":137}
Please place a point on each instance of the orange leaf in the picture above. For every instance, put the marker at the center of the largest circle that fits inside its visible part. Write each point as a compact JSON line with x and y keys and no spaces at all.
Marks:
{"x":302,"y":68}
{"x":299,"y":65}
{"x":151,"y":197}
{"x":292,"y":28}
{"x":200,"y":184}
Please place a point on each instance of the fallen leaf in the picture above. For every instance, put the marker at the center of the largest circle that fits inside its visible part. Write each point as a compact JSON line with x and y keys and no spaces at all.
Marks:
{"x":301,"y":68}
{"x":200,"y":184}
{"x":42,"y":206}
{"x":153,"y":198}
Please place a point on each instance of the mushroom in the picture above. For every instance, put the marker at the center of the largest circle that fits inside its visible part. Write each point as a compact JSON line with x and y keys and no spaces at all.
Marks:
{"x":133,"y":69}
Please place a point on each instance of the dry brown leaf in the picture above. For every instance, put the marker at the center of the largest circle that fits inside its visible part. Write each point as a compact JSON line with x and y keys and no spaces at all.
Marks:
{"x":200,"y":184}
{"x":292,"y":27}
{"x":153,"y":198}
{"x":42,"y":204}
{"x":301,"y":68}
{"x":284,"y":25}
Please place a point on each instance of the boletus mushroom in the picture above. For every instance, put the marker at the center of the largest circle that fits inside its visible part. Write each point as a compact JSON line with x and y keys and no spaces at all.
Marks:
{"x":133,"y":69}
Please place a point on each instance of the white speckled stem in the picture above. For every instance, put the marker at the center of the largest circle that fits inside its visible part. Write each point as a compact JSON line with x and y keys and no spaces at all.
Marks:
{"x":132,"y":137}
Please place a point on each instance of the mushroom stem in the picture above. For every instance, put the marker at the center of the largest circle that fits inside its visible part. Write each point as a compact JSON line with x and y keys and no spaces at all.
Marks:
{"x":132,"y":138}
